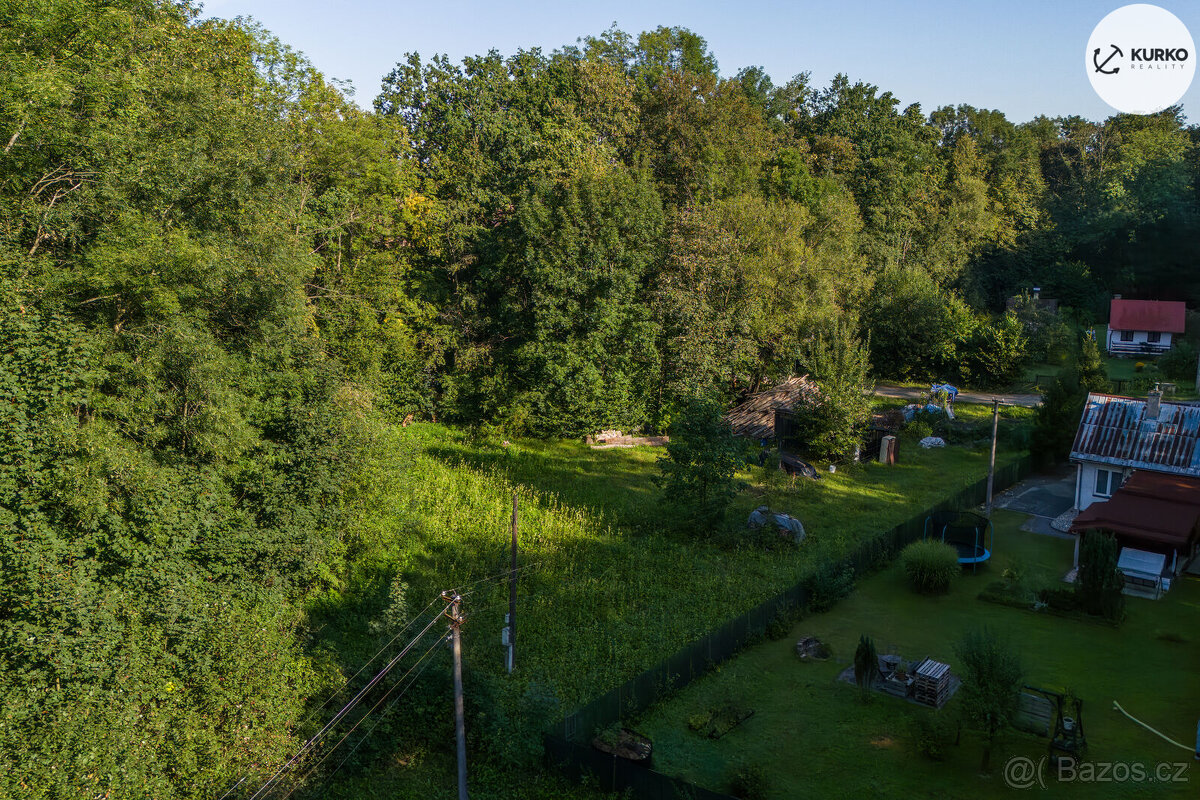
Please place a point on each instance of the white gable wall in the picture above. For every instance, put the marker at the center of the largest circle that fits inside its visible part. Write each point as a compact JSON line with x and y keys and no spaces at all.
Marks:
{"x":1091,"y":486}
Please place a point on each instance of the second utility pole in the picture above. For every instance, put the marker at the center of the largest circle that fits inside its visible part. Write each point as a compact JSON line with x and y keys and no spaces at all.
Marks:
{"x":512,"y":594}
{"x":460,"y":727}
{"x":992,"y":460}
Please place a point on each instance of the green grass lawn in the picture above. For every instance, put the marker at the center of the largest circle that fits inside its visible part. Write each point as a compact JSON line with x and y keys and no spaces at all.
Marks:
{"x":612,"y":586}
{"x":815,"y":737}
{"x":1037,"y":377}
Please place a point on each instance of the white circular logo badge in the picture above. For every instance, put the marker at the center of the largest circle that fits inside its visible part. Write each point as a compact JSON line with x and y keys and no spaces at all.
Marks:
{"x":1140,"y":59}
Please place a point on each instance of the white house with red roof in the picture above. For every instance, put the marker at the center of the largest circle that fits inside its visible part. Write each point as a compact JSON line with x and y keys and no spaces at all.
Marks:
{"x":1138,"y":327}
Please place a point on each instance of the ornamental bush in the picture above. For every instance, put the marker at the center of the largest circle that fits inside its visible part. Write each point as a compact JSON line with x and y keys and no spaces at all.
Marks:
{"x":930,"y":565}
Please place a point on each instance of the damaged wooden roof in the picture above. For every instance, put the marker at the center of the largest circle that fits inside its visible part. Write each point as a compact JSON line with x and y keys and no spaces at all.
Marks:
{"x":755,"y":417}
{"x":1116,"y":430}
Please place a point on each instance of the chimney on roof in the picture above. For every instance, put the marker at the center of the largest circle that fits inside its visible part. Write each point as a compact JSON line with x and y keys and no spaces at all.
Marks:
{"x":1153,"y":404}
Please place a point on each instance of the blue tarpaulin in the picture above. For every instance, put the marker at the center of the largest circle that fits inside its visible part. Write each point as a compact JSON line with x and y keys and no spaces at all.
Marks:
{"x":936,"y":388}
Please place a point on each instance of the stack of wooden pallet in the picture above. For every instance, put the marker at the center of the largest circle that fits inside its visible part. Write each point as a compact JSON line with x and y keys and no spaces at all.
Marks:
{"x":933,"y":683}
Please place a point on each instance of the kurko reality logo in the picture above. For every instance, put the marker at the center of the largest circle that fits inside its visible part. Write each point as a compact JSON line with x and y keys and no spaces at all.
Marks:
{"x":1139,"y":59}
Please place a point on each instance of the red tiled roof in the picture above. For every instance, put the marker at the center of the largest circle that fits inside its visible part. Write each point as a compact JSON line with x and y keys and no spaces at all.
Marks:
{"x":1164,"y":316}
{"x":1151,"y":507}
{"x":1161,"y":514}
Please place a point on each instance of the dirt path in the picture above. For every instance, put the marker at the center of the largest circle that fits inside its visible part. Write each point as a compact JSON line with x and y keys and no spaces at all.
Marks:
{"x":914,"y":393}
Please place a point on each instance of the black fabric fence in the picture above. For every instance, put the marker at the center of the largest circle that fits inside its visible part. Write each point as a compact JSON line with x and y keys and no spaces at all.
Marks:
{"x":568,"y":743}
{"x":612,"y":774}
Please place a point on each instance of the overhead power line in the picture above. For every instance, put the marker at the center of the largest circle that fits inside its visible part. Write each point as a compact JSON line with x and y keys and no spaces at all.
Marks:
{"x":363,"y":718}
{"x":348,"y":682}
{"x":262,"y":790}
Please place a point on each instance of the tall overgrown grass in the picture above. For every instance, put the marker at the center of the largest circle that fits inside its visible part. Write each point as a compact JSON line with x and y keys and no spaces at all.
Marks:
{"x":609,"y":584}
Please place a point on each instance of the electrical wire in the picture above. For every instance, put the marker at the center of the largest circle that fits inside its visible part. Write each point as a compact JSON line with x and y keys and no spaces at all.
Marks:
{"x":464,"y":591}
{"x":345,"y":710}
{"x":363,"y":718}
{"x":371,"y":660}
{"x":470,"y":588}
{"x":349,"y":681}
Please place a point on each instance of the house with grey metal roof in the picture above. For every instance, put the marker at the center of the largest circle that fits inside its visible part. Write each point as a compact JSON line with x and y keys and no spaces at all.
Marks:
{"x":1119,"y":435}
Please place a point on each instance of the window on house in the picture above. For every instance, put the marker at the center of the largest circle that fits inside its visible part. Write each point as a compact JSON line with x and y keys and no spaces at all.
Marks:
{"x":1154,"y":337}
{"x":1126,"y":336}
{"x":1107,"y":482}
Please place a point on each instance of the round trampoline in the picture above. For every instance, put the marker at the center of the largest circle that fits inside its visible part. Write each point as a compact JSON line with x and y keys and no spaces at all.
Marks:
{"x":969,"y":533}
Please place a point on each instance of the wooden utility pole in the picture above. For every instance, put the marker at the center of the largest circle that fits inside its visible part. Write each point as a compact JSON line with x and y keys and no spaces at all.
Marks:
{"x":992,"y":460}
{"x":512,"y":594}
{"x":460,"y":727}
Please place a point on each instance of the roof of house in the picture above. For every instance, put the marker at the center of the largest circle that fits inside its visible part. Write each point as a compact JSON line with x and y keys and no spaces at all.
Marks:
{"x":1115,"y":430}
{"x":755,"y":417}
{"x":1160,"y":486}
{"x":1162,"y":509}
{"x":1164,"y":316}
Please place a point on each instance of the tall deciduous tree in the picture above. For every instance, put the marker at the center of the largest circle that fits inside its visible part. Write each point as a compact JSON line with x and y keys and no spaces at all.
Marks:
{"x":744,"y":282}
{"x":568,"y":346}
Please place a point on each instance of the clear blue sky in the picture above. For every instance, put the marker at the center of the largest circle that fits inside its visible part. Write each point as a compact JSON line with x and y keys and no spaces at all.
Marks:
{"x":1022,"y":57}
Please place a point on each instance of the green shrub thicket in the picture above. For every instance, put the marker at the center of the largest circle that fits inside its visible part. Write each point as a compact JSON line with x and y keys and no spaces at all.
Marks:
{"x":827,"y":584}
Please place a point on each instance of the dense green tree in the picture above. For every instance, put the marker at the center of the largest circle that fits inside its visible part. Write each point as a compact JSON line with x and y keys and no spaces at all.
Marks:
{"x":888,"y":158}
{"x":830,"y":420}
{"x":745,"y":281}
{"x":371,"y":295}
{"x":916,"y":329}
{"x":671,"y":50}
{"x":995,"y":351}
{"x":569,"y":346}
{"x":179,"y":435}
{"x":991,"y":683}
{"x":701,"y":137}
{"x":697,"y":472}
